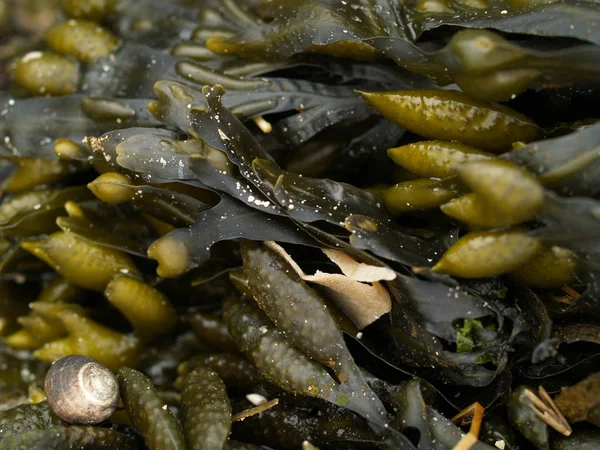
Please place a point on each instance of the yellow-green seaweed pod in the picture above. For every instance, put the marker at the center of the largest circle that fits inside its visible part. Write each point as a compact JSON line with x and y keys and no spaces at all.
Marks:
{"x":23,"y":339}
{"x":377,"y":189}
{"x":497,"y":86}
{"x":351,"y":49}
{"x":4,"y":14}
{"x":32,"y":172}
{"x":148,"y":310}
{"x":160,"y":227}
{"x":106,"y":109}
{"x":87,"y":41}
{"x":38,"y":328}
{"x":192,"y":50}
{"x":502,"y":182}
{"x":453,"y":116}
{"x":529,"y":3}
{"x":435,"y":159}
{"x":59,"y":290}
{"x":478,"y":51}
{"x":484,"y":59}
{"x":416,"y":195}
{"x":471,"y":209}
{"x":172,"y":256}
{"x":552,"y":268}
{"x":41,"y":325}
{"x":11,"y":307}
{"x":23,"y":203}
{"x":94,"y":10}
{"x":82,"y":263}
{"x":74,"y":210}
{"x":148,"y":412}
{"x":67,"y":149}
{"x":474,"y":4}
{"x":482,"y":254}
{"x":433,"y":6}
{"x":504,"y":194}
{"x":356,"y":50}
{"x":112,"y":187}
{"x":46,"y":73}
{"x":53,"y":311}
{"x":86,"y":337}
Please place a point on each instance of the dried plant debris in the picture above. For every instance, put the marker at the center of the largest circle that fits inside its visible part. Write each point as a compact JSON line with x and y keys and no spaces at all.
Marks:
{"x":303,"y":224}
{"x":358,"y":291}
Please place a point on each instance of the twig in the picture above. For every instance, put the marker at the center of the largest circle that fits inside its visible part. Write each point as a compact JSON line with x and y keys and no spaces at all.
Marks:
{"x":252,"y":411}
{"x":467,"y":441}
{"x":198,"y":281}
{"x":569,"y":299}
{"x":475,"y":411}
{"x":545,"y":408}
{"x":570,"y":292}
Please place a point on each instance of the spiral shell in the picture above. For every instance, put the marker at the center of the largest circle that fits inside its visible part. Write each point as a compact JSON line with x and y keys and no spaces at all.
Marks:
{"x":81,"y":391}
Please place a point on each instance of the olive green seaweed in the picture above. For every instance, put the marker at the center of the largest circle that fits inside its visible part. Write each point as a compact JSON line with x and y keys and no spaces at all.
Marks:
{"x":205,"y":410}
{"x":148,"y":412}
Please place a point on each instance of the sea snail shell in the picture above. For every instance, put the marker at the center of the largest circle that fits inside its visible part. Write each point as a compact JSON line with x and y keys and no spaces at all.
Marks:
{"x":81,"y":391}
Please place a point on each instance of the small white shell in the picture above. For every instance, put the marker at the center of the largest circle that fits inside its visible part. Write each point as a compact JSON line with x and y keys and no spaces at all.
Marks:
{"x":81,"y":391}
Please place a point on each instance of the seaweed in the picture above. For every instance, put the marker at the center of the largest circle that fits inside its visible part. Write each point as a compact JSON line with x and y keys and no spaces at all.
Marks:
{"x":319,"y":224}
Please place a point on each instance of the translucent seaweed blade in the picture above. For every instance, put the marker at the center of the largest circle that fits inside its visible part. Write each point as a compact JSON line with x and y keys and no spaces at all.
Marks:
{"x":430,"y":299}
{"x":36,"y":212}
{"x":319,"y":22}
{"x":160,"y":156}
{"x":233,"y":185}
{"x":167,"y":23}
{"x":572,"y":223}
{"x":228,"y":220}
{"x":154,"y":156}
{"x":385,"y":240}
{"x":573,"y":18}
{"x":568,"y":164}
{"x":223,"y":131}
{"x":317,"y":105}
{"x":311,"y":199}
{"x":105,"y":146}
{"x":32,"y":125}
{"x":120,"y":75}
{"x":111,"y":226}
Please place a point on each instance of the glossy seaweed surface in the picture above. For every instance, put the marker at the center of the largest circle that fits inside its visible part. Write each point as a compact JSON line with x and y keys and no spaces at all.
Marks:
{"x":368,"y":213}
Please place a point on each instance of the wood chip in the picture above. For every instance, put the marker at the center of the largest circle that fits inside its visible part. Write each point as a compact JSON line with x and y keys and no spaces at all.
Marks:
{"x":545,"y":408}
{"x":475,"y":411}
{"x":467,"y":441}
